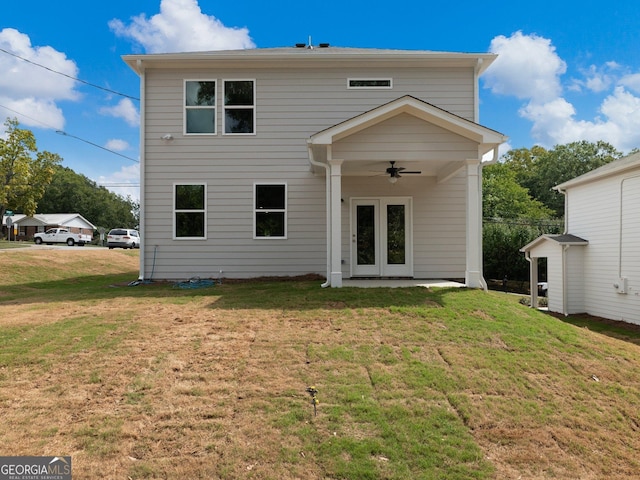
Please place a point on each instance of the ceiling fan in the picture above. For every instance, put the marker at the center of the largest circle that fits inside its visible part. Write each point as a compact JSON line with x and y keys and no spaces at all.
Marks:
{"x":394,"y":172}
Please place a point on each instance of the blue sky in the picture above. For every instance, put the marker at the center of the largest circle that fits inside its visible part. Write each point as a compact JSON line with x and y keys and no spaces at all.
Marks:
{"x":566,"y":71}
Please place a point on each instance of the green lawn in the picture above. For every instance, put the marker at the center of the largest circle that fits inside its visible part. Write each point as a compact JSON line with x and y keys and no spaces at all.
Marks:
{"x":153,"y":381}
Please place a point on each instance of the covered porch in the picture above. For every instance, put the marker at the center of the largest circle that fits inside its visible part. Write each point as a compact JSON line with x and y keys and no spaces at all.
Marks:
{"x":404,"y":193}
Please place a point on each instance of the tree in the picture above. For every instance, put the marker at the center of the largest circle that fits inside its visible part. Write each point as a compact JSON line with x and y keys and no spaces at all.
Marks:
{"x":24,"y":172}
{"x":73,"y":192}
{"x":539,"y":170}
{"x":503,"y":197}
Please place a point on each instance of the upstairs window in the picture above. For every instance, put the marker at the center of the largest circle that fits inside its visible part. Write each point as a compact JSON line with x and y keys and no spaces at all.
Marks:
{"x":270,"y":214}
{"x":239,"y":107}
{"x":369,"y":83}
{"x":200,"y":107}
{"x":189,"y":210}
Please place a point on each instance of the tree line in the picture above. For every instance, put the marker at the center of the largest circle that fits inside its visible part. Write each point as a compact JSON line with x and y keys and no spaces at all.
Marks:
{"x":33,"y":181}
{"x":520,"y":204}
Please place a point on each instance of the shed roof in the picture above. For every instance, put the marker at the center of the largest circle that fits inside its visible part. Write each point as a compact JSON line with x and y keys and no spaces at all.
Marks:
{"x":560,"y":239}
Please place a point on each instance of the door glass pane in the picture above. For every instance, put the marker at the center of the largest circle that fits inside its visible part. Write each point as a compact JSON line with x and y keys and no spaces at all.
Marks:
{"x":396,"y":254}
{"x":365,"y":235}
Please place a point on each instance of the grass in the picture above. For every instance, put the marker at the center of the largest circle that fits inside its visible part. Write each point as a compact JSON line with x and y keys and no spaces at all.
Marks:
{"x":157,"y":382}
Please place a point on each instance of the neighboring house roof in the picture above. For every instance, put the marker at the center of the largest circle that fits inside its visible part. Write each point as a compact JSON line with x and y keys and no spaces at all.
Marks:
{"x":50,"y":219}
{"x":560,"y":239}
{"x":298,"y":56}
{"x":14,"y":218}
{"x":630,"y":162}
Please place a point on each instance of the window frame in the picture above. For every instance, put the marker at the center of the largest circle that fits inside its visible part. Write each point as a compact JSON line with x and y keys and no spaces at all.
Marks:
{"x":213,"y":107}
{"x":257,"y":210}
{"x":369,"y":87}
{"x":176,"y":210}
{"x":224,"y":107}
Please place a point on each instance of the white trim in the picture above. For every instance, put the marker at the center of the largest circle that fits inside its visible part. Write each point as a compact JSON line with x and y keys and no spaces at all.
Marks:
{"x":371,"y":87}
{"x":199,"y":107}
{"x":275,"y":210}
{"x":174,"y":211}
{"x":143,"y":183}
{"x":238,"y":107}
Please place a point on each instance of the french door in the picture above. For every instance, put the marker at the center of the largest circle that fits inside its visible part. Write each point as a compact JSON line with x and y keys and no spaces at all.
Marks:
{"x":381,"y":237}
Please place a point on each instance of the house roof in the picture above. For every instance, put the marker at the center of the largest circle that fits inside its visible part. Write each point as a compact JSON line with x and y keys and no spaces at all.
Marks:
{"x":49,"y":219}
{"x":561,"y":239}
{"x":418,"y":108}
{"x":296,"y":57}
{"x":625,"y":164}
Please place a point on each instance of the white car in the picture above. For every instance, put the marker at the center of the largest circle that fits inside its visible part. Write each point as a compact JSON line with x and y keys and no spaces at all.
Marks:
{"x":542,"y":288}
{"x":123,"y":238}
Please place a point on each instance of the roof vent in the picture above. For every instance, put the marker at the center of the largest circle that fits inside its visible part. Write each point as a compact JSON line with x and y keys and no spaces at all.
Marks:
{"x":324,"y":45}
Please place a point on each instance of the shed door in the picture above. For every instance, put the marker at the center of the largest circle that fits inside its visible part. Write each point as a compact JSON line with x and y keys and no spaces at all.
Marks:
{"x":381,"y":237}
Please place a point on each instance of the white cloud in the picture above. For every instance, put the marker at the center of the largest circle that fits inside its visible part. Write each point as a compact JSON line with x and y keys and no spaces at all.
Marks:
{"x":126,"y":110}
{"x":125,"y":182}
{"x":529,"y":68}
{"x":631,"y":81}
{"x":117,"y":145}
{"x":28,"y":89}
{"x":597,"y":79}
{"x":181,"y":27}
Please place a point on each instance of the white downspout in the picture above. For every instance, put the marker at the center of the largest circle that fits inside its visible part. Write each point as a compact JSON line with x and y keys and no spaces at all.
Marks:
{"x":620,"y":224}
{"x":566,"y":210}
{"x":564,"y":252}
{"x":564,"y":280}
{"x":312,"y":160}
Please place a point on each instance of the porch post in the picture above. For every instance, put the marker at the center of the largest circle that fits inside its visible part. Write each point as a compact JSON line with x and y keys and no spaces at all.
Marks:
{"x":336,"y":222}
{"x":473,"y":273}
{"x":533,"y":282}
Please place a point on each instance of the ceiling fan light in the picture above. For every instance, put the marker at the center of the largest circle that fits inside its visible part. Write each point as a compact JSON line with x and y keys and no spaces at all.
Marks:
{"x":393,"y":179}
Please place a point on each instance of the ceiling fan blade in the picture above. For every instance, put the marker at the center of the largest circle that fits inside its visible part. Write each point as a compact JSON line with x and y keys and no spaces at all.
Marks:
{"x":395,"y":172}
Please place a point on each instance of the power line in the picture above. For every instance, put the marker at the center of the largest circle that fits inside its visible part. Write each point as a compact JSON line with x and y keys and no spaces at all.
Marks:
{"x":69,"y":76}
{"x":61,"y":132}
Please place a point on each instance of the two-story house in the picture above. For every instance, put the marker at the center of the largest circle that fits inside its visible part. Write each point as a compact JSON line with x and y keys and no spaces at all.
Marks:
{"x":343,"y":162}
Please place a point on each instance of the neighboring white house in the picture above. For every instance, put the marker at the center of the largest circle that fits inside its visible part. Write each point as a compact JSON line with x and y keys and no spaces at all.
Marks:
{"x":26,"y":226}
{"x":595,"y":267}
{"x":337,"y":161}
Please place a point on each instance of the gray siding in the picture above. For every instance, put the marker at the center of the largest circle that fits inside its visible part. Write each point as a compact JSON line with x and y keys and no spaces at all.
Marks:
{"x":289,"y":109}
